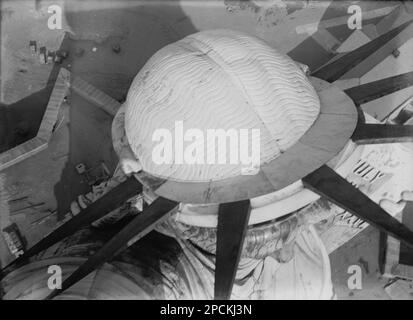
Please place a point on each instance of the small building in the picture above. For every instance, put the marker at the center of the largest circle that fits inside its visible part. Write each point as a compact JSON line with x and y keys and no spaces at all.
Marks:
{"x":42,"y":55}
{"x":50,"y":56}
{"x":33,"y":46}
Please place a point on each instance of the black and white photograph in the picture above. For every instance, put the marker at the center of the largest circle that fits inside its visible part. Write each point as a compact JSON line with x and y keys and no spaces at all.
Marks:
{"x":206,"y":154}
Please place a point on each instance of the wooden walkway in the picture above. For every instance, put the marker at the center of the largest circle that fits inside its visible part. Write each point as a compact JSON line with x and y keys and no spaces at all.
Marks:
{"x":64,"y":82}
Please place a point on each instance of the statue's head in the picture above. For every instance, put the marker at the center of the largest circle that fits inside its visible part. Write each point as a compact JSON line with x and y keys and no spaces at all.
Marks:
{"x":217,"y":104}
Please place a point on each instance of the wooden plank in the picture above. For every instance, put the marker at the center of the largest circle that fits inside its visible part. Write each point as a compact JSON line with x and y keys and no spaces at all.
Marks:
{"x":60,"y":90}
{"x":368,"y":133}
{"x":22,"y":152}
{"x":232,"y":225}
{"x":388,"y":21}
{"x":139,"y":226}
{"x":110,"y":201}
{"x":334,"y":70}
{"x":327,"y":183}
{"x":40,"y":142}
{"x":377,"y":89}
{"x":374,"y":59}
{"x":95,"y":96}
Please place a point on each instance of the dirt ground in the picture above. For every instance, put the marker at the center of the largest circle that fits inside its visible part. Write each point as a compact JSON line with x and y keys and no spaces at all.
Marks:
{"x":91,"y":30}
